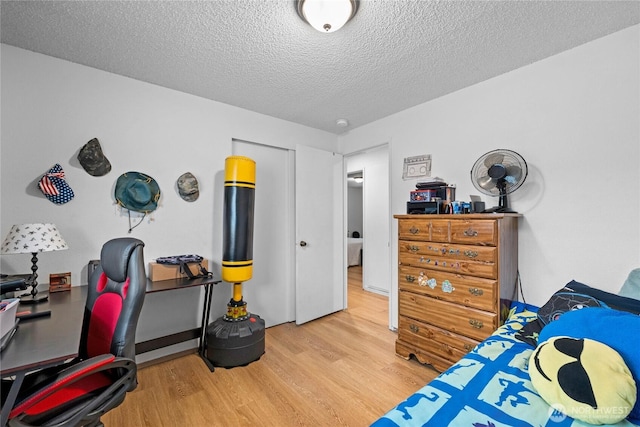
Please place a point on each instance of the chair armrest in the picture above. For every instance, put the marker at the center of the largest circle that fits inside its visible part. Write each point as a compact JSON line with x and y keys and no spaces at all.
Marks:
{"x":35,"y":399}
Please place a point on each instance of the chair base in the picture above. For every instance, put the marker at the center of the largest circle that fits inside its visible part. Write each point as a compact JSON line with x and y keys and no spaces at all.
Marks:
{"x":235,"y":343}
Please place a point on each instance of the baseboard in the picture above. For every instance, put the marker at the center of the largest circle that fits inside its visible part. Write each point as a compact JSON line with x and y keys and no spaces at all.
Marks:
{"x":167,"y":358}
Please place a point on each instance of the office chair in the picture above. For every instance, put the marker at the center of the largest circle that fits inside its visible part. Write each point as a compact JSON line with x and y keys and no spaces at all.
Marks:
{"x":78,"y":393}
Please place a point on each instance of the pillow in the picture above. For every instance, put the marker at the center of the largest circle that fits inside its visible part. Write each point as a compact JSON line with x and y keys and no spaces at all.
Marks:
{"x":615,"y":329}
{"x":631,"y":286}
{"x":573,"y":296}
{"x":612,"y":300}
{"x":583,"y":379}
{"x":565,"y":300}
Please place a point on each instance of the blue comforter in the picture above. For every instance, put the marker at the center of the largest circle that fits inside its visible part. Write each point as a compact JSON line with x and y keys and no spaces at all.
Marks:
{"x":489,"y":387}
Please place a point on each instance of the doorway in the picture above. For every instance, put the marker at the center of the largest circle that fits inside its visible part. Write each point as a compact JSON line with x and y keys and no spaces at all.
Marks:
{"x":372,"y":166}
{"x":355,"y":217}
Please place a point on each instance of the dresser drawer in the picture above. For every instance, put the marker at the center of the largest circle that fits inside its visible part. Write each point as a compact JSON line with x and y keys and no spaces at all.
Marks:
{"x":448,"y":251}
{"x":433,"y":339}
{"x":406,"y":349}
{"x":482,"y":232}
{"x":440,"y":230}
{"x":465,"y":290}
{"x":415,"y":229}
{"x":409,"y":254}
{"x":475,"y":232}
{"x":470,"y":322}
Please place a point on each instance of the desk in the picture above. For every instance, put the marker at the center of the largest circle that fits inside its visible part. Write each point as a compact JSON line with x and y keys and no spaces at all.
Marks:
{"x":48,"y":341}
{"x":200,"y":333}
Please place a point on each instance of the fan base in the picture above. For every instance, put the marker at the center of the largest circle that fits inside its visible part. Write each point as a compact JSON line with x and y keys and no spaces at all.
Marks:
{"x":498,"y":209}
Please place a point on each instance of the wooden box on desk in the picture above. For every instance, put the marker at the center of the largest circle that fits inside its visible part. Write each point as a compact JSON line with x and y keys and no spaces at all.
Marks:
{"x":59,"y":282}
{"x":159,"y":272}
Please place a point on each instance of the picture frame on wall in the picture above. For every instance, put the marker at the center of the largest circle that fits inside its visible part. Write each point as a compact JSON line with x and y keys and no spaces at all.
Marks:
{"x":417,"y":167}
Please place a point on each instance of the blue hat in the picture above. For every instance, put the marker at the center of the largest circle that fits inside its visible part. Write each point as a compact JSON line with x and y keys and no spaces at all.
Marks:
{"x":137,"y":192}
{"x":54,"y":187}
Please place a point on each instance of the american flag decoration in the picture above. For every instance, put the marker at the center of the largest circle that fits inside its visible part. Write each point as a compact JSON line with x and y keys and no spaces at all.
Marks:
{"x":54,"y":186}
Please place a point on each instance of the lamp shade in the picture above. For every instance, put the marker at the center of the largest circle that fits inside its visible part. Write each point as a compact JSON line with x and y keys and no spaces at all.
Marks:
{"x":33,"y":238}
{"x":327,"y":16}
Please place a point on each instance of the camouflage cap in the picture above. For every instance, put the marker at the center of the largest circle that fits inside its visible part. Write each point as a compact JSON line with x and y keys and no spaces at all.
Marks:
{"x":93,"y":159}
{"x":188,"y":187}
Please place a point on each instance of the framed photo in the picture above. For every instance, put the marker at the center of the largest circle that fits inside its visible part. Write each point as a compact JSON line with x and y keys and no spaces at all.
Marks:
{"x":417,"y":167}
{"x":59,"y":282}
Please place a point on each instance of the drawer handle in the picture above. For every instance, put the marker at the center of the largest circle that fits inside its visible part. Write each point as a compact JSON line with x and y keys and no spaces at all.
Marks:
{"x":476,"y":323}
{"x":414,"y":328}
{"x":468,"y":347}
{"x":410,"y":278}
{"x":470,"y":254}
{"x":475,"y":291}
{"x":413,"y":248}
{"x":414,"y":230}
{"x":470,"y":232}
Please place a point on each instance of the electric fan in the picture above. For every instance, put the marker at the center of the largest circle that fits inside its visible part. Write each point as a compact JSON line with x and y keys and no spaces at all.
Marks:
{"x":498,"y":173}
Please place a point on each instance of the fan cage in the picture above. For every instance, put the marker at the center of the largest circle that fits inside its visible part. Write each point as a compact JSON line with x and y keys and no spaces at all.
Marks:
{"x":510,"y":158}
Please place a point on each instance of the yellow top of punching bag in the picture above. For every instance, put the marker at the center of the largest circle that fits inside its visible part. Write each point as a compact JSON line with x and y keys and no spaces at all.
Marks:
{"x":239,"y":171}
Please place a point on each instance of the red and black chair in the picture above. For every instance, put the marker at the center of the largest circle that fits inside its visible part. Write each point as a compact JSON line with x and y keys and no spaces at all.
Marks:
{"x":78,"y":393}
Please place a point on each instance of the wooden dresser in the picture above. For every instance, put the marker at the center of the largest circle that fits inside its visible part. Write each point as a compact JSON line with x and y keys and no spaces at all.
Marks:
{"x":456,"y":277}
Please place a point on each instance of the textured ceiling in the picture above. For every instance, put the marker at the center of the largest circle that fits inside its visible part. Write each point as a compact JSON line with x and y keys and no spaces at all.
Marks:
{"x":259,"y":55}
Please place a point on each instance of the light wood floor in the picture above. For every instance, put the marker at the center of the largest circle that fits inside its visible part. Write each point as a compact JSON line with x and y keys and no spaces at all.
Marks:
{"x":340,"y":370}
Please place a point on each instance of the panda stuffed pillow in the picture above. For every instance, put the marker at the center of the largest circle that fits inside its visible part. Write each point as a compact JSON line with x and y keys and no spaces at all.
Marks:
{"x":587,"y":365}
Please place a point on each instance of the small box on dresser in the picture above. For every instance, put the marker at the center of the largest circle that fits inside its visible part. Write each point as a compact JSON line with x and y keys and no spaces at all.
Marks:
{"x":456,"y":275}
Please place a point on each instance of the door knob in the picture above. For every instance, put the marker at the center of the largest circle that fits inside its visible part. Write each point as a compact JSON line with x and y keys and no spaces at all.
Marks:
{"x":303,"y":243}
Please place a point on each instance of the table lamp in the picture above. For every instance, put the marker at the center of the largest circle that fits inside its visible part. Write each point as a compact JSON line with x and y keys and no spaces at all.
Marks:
{"x":33,"y":238}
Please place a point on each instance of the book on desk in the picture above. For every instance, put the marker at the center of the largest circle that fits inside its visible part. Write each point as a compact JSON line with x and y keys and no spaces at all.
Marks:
{"x":8,"y":322}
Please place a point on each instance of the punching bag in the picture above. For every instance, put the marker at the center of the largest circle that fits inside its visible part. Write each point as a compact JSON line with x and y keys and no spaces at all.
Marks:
{"x":237,"y":338}
{"x":239,"y":197}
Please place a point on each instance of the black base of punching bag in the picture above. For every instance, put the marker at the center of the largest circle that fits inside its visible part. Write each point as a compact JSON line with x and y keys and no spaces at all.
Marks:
{"x":235,"y":343}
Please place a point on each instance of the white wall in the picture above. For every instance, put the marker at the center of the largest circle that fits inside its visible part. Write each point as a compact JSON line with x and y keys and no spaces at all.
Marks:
{"x":50,"y":108}
{"x":575,"y":118}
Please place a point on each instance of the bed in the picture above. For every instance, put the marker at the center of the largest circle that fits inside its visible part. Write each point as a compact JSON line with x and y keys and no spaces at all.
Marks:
{"x":354,"y":251}
{"x":492,"y":385}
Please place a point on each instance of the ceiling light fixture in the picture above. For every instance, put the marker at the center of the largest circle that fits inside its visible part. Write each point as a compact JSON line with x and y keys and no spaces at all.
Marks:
{"x":326,"y":16}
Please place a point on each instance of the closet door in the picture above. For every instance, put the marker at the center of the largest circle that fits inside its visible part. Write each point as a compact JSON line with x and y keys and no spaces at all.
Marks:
{"x":270,"y":292}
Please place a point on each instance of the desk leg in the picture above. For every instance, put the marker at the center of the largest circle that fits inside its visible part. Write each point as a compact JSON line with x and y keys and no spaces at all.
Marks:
{"x":206,"y":311}
{"x":11,"y":398}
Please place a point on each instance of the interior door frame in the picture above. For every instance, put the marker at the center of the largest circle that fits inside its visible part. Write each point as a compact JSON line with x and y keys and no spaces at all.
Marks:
{"x":391,"y":295}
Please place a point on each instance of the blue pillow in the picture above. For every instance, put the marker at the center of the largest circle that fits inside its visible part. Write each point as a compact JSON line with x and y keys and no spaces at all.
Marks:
{"x":613,"y":328}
